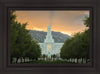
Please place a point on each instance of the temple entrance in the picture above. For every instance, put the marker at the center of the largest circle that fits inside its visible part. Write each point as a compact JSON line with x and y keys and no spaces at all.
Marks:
{"x":49,"y":49}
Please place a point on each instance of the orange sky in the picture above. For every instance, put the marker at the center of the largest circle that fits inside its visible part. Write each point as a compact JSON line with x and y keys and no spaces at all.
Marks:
{"x":68,"y":22}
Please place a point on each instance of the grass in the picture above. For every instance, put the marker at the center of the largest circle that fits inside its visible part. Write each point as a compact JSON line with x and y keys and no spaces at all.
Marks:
{"x":47,"y":62}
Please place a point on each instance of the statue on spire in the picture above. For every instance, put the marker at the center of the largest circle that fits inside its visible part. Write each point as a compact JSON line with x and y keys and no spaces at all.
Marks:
{"x":49,"y":19}
{"x":49,"y":35}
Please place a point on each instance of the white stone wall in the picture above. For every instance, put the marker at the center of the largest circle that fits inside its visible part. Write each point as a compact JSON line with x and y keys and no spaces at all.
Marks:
{"x":55,"y":48}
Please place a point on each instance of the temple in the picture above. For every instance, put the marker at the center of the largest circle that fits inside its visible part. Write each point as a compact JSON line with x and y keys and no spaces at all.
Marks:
{"x":49,"y":47}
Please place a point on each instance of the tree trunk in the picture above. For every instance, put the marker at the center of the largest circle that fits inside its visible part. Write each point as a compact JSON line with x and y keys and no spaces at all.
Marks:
{"x":17,"y":59}
{"x":11,"y":59}
{"x":86,"y":60}
{"x":32,"y":59}
{"x":36,"y":58}
{"x":82,"y":60}
{"x":24,"y":59}
{"x":77,"y":60}
{"x":74,"y":60}
{"x":21,"y":59}
{"x":28,"y":59}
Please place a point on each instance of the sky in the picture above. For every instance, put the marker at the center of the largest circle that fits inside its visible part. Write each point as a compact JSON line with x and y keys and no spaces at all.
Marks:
{"x":67,"y":22}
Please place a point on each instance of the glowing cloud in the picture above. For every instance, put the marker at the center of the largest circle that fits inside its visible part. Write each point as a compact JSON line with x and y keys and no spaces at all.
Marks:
{"x":37,"y":29}
{"x":66,"y":33}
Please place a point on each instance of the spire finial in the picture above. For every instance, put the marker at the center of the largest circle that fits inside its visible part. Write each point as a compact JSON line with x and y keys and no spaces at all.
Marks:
{"x":49,"y":19}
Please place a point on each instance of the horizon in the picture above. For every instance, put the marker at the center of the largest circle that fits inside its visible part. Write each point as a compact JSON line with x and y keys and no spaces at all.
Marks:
{"x":53,"y":31}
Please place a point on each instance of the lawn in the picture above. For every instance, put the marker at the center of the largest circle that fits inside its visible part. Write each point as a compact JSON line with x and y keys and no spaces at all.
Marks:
{"x":47,"y":62}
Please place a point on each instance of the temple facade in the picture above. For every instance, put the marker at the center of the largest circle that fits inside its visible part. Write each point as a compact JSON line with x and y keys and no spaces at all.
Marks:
{"x":49,"y":47}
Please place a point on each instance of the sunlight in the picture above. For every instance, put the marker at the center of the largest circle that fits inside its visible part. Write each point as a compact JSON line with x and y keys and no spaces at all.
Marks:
{"x":66,"y":33}
{"x":37,"y":29}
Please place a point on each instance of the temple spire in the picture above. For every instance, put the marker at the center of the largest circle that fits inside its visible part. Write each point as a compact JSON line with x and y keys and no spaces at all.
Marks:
{"x":49,"y":35}
{"x":49,"y":20}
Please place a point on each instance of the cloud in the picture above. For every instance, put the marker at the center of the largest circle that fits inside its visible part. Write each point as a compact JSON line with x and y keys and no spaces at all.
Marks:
{"x":37,"y":29}
{"x":62,"y":21}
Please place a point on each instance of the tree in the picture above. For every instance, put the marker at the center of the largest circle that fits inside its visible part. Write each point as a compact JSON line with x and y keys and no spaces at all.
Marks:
{"x":53,"y":56}
{"x":87,"y":21}
{"x":44,"y":56}
{"x":22,"y":44}
{"x":14,"y":34}
{"x":78,"y":45}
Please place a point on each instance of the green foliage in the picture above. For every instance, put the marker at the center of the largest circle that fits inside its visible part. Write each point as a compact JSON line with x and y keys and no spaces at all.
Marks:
{"x":87,"y":21}
{"x":44,"y":56}
{"x":77,"y":46}
{"x":22,"y":44}
{"x":53,"y":56}
{"x":12,"y":16}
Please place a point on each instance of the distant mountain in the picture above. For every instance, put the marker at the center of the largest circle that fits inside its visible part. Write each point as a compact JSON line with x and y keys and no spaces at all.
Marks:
{"x":41,"y":35}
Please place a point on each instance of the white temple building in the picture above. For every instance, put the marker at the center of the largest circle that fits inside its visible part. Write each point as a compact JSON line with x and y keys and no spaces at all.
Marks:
{"x":49,"y":47}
